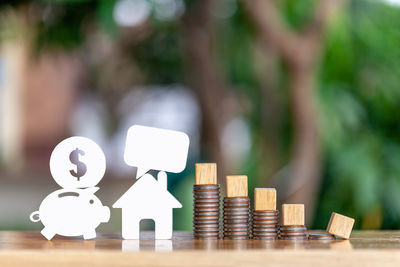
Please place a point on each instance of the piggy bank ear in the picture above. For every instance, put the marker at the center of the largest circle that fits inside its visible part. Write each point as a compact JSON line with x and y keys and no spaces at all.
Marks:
{"x":91,"y":190}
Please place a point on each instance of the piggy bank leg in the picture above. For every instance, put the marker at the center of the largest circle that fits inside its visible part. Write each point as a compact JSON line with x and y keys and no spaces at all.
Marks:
{"x":48,"y":233}
{"x":90,"y":234}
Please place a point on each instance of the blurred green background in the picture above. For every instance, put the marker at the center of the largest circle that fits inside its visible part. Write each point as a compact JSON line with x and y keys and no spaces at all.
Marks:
{"x":299,"y":95}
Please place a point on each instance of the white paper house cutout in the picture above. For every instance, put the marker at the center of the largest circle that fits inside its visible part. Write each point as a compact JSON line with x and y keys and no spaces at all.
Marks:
{"x":148,"y":198}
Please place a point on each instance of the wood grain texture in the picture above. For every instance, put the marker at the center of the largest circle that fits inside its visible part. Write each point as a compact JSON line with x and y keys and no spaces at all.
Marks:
{"x":340,"y":225}
{"x":365,"y":248}
{"x":293,"y":214}
{"x":236,"y":186}
{"x":265,"y":199}
{"x":205,"y":173}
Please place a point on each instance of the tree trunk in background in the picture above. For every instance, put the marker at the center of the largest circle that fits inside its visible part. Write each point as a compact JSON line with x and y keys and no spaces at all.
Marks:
{"x":305,"y":157}
{"x":205,"y":77}
{"x":301,"y":53}
{"x":267,"y":61}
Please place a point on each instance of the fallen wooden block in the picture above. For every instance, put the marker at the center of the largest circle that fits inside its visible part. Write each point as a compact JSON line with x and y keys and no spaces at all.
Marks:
{"x":292,"y":214}
{"x":236,"y":186}
{"x":205,"y":173}
{"x":265,"y":199}
{"x":340,"y":225}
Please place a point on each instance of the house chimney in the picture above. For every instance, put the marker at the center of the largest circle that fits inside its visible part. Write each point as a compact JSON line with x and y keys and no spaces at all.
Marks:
{"x":162,"y":179}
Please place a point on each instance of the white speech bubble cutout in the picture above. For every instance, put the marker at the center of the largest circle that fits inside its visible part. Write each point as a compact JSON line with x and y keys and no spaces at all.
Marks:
{"x":77,"y":154}
{"x":149,"y":148}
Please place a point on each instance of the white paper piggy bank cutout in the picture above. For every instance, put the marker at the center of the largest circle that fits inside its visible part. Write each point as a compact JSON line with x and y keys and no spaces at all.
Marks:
{"x":71,"y":212}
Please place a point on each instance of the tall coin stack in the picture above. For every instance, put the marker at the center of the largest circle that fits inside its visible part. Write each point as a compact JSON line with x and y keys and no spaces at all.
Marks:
{"x":265,"y":216}
{"x":206,"y":200}
{"x":293,"y":222}
{"x":236,"y":208}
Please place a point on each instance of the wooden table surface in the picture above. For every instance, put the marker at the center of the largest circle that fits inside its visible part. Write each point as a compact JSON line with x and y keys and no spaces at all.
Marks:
{"x":365,"y":248}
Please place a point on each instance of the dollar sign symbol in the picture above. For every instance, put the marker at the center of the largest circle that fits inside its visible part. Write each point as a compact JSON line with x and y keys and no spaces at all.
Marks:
{"x":80,"y":166}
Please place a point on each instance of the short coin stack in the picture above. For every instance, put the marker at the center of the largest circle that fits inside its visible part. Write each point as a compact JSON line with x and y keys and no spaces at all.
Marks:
{"x":293,"y":222}
{"x":321,"y":236}
{"x":293,"y":232}
{"x":236,"y":208}
{"x":265,"y":215}
{"x":206,"y":193}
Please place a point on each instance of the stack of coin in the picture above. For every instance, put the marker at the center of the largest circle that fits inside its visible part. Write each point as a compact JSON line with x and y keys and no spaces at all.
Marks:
{"x":265,"y":224}
{"x":293,"y":232}
{"x":265,"y":216}
{"x":236,"y":218}
{"x":321,"y":236}
{"x":206,"y":211}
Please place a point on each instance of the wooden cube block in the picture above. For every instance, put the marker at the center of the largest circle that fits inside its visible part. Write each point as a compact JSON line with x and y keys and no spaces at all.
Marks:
{"x":236,"y":186}
{"x":293,"y":214}
{"x":205,"y":173}
{"x":340,"y":225}
{"x":265,"y":199}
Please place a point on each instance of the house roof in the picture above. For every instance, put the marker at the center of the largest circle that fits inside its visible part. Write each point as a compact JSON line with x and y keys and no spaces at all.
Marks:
{"x":147,"y":188}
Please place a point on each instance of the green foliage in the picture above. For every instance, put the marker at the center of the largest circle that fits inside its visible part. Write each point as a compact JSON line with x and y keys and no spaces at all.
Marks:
{"x":358,"y":101}
{"x":358,"y":94}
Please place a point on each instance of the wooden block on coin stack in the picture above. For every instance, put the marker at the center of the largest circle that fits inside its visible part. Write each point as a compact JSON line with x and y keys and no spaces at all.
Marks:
{"x":292,"y":214}
{"x":206,"y":200}
{"x":293,"y":222}
{"x":236,"y":186}
{"x":205,"y":173}
{"x":340,"y":225}
{"x":265,"y":199}
{"x":236,"y":208}
{"x":265,"y":215}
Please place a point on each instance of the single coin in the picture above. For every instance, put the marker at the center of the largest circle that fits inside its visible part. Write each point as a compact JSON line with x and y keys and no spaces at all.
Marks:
{"x":266,"y":220}
{"x":321,"y":236}
{"x":237,"y":219}
{"x":200,"y":224}
{"x":206,"y":200}
{"x":206,"y":209}
{"x":284,"y":236}
{"x":242,"y":212}
{"x":236,"y":237}
{"x":294,"y":238}
{"x":210,"y":220}
{"x":197,"y":224}
{"x":265,"y":227}
{"x":260,"y":230}
{"x":255,"y":213}
{"x":238,"y":228}
{"x":206,"y":219}
{"x":293,"y":232}
{"x":216,"y":194}
{"x":206,"y":196}
{"x":236,"y":199}
{"x":261,"y":223}
{"x":205,"y":186}
{"x":230,"y":214}
{"x":229,"y":236}
{"x":203,"y":206}
{"x":199,"y":232}
{"x":265,"y":234}
{"x":244,"y":222}
{"x":206,"y":234}
{"x":293,"y":228}
{"x":206,"y":216}
{"x":236,"y":209}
